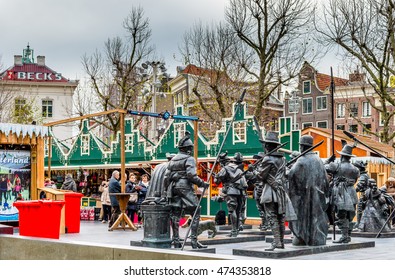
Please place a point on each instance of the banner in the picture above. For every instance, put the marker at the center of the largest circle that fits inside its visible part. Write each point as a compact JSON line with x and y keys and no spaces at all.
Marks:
{"x":15,"y":176}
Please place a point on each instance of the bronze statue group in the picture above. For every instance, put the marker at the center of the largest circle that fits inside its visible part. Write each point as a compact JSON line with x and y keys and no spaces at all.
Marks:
{"x":299,"y":191}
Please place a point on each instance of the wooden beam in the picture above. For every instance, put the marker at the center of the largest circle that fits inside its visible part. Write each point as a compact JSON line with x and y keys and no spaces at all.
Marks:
{"x":121,"y":111}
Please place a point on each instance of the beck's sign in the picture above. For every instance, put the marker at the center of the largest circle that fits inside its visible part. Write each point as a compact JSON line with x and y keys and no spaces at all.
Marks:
{"x":36,"y":76}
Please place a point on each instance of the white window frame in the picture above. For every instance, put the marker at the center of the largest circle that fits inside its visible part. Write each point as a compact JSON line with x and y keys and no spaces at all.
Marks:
{"x":340,"y":110}
{"x":240,"y":132}
{"x":304,"y":124}
{"x":46,"y":107}
{"x":318,"y":102}
{"x":129,"y":145}
{"x":305,"y":82}
{"x":381,"y":123}
{"x":366,"y":109}
{"x":85,"y":144}
{"x":308,"y":98}
{"x":364,"y":132}
{"x":179,"y":132}
{"x":18,"y":104}
{"x":326,"y":122}
{"x":46,"y":150}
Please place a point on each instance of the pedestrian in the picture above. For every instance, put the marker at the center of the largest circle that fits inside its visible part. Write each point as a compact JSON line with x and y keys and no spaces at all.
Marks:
{"x":141,"y":189}
{"x":69,"y":183}
{"x":132,"y":203}
{"x":114,"y":187}
{"x":106,"y":203}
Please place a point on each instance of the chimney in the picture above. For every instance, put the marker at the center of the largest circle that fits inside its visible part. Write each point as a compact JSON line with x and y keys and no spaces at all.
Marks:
{"x":17,"y":59}
{"x":41,"y":60}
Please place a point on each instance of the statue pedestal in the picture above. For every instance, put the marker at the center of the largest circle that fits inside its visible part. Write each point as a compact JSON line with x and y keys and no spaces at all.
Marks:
{"x":156,"y":226}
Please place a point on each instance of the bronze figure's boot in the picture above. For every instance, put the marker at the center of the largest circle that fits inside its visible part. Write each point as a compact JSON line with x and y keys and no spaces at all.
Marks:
{"x":175,"y":225}
{"x":343,"y":226}
{"x":234,"y":221}
{"x":277,"y":239}
{"x":194,"y":229}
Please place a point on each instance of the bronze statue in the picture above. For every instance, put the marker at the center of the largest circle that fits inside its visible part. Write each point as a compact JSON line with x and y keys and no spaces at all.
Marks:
{"x":309,"y":193}
{"x":238,"y":159}
{"x":179,"y":179}
{"x":375,"y":213}
{"x":362,"y":186}
{"x":271,"y":171}
{"x":157,"y":193}
{"x":233,"y":189}
{"x":344,"y":197}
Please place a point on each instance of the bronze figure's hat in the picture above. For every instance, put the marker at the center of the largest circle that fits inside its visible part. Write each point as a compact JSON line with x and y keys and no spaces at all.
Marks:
{"x":271,"y":137}
{"x":306,"y":140}
{"x":346,"y":151}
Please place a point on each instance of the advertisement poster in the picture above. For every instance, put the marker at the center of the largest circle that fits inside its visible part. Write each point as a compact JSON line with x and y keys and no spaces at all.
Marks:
{"x":14,"y":181}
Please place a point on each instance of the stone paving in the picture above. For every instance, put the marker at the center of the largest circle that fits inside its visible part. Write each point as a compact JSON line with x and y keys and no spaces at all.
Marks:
{"x":96,"y":232}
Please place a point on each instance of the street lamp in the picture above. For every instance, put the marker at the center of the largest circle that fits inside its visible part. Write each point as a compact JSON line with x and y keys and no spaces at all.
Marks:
{"x":158,"y":69}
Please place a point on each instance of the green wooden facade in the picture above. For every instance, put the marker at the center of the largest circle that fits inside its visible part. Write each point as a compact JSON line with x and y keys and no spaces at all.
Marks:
{"x":90,"y":152}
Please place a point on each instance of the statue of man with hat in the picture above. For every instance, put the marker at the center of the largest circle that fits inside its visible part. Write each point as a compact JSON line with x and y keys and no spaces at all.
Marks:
{"x":238,"y":159}
{"x":362,"y":186}
{"x":179,"y":178}
{"x":344,"y":196}
{"x":309,"y":193}
{"x":251,"y":178}
{"x":271,"y":171}
{"x":233,"y":189}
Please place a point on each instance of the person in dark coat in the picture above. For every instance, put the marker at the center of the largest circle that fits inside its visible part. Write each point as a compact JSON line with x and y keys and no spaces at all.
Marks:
{"x":114,"y":187}
{"x":69,"y":183}
{"x":141,"y":188}
{"x":309,"y":194}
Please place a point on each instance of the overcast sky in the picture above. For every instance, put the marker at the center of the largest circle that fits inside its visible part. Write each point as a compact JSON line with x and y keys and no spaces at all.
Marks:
{"x":63,"y":31}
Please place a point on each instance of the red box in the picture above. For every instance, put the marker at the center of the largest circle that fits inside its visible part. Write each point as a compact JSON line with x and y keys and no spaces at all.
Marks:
{"x":72,"y":211}
{"x":39,"y":218}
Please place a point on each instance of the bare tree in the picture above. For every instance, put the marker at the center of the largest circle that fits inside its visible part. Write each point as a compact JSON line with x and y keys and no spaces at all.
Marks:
{"x":364,"y":30}
{"x":277,"y":31}
{"x":214,"y":50}
{"x":115,"y":75}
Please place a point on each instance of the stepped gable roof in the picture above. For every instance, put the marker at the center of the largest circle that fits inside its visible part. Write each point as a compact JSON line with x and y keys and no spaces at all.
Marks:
{"x":324,"y":81}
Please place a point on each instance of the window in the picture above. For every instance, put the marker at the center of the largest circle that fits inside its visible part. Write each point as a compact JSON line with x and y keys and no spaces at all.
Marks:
{"x":354,"y":128}
{"x":239,"y":132}
{"x":179,"y":132}
{"x":85,"y":144}
{"x":367,"y":128}
{"x":46,"y":150}
{"x":341,"y":112}
{"x":307,"y":124}
{"x":322,"y":124}
{"x":307,"y":105}
{"x":353,"y":110}
{"x":306,"y":87}
{"x":293,"y":106}
{"x":129,"y":143}
{"x":382,"y":118}
{"x":340,"y":127}
{"x":46,"y":108}
{"x":19,"y":106}
{"x":321,"y":103}
{"x":366,"y":109}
